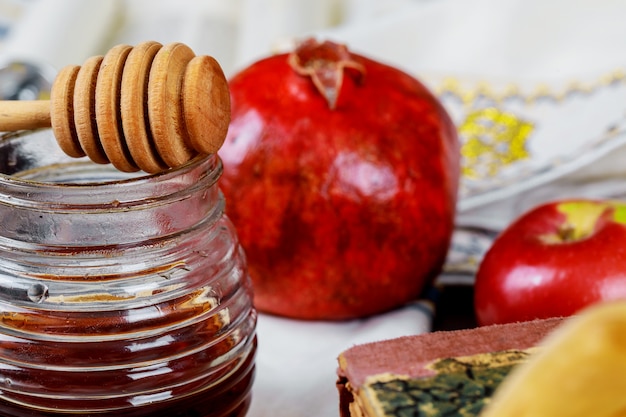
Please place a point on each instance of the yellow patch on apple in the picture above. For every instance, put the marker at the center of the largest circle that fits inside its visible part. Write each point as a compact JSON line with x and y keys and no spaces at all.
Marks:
{"x":581,"y":219}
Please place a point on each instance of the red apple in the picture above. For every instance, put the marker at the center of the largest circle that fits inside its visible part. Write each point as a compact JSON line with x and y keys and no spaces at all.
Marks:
{"x":553,"y":261}
{"x":341,"y":175}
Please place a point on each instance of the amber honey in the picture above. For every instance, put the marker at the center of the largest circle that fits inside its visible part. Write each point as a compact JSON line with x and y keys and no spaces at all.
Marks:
{"x":119,"y":295}
{"x":231,"y":398}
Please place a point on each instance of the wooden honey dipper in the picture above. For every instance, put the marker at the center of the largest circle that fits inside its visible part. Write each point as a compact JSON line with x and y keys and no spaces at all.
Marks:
{"x":149,"y":107}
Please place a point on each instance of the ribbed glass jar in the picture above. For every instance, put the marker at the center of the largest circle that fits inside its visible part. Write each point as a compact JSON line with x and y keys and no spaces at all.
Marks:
{"x":120,"y":294}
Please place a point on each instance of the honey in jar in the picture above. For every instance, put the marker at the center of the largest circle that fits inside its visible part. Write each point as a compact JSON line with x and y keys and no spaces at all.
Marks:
{"x":120,"y":294}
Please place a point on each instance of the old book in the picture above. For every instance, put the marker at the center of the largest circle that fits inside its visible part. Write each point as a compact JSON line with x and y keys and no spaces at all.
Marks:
{"x":447,"y":373}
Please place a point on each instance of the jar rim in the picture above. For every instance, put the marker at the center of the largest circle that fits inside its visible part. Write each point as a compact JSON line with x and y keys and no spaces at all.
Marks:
{"x":28,"y":185}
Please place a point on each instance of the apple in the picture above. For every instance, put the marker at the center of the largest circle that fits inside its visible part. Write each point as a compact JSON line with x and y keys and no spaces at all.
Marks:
{"x":341,"y":176}
{"x":553,"y":261}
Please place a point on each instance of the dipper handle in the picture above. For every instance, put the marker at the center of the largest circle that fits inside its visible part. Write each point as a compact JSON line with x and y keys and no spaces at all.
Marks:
{"x":149,"y":107}
{"x":24,"y":114}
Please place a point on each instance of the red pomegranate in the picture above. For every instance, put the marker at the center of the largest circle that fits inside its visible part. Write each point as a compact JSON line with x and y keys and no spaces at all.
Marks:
{"x":341,"y":177}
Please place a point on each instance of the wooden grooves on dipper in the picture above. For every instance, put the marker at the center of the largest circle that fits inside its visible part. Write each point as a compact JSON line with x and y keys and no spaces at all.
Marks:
{"x":149,"y":107}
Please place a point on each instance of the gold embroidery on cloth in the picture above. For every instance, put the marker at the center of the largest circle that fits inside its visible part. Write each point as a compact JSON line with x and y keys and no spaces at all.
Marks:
{"x":492,"y":139}
{"x":450,"y":86}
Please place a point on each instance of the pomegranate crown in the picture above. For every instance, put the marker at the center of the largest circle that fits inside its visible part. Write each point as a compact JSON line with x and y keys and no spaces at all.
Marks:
{"x":324,"y":62}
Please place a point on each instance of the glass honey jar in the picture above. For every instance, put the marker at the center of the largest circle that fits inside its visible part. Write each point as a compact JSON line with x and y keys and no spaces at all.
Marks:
{"x":120,"y":294}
